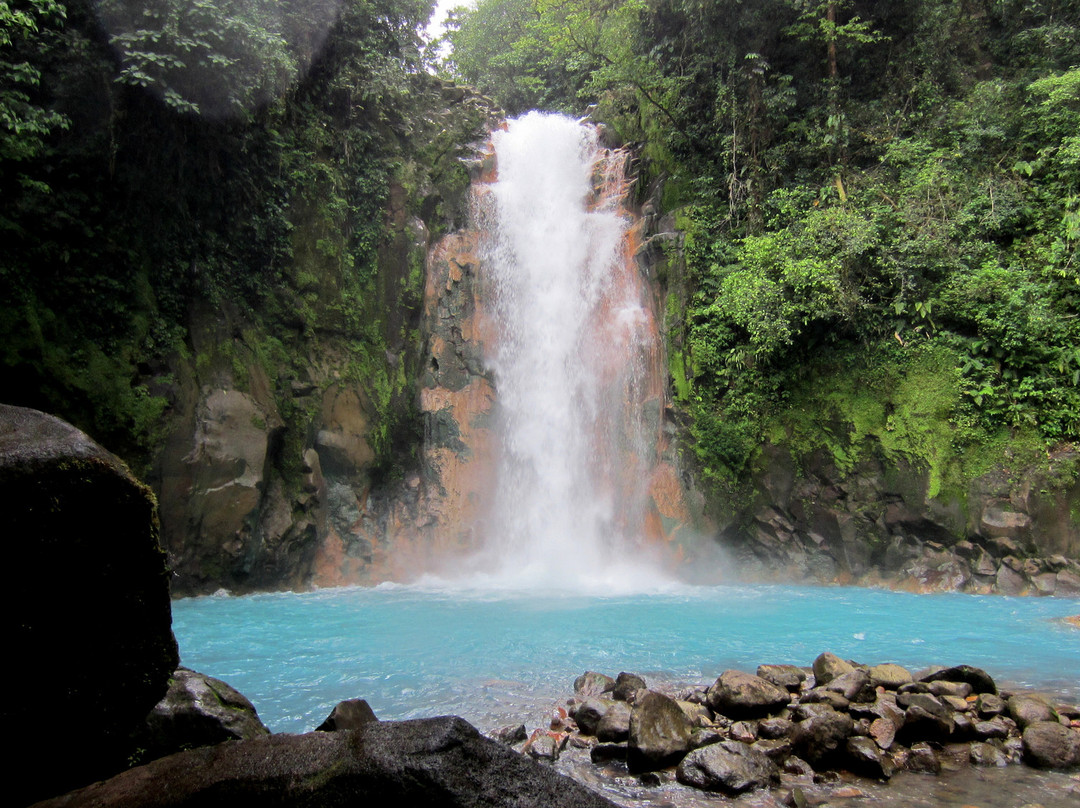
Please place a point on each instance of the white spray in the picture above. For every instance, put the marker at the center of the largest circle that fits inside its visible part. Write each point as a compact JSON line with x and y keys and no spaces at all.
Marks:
{"x":578,"y":411}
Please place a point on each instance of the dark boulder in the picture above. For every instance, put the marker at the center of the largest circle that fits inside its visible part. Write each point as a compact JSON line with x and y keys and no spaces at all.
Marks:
{"x":1050,"y":745}
{"x":988,"y":754}
{"x":828,"y":666}
{"x":820,"y":732}
{"x":437,"y":762}
{"x":660,"y":733}
{"x":587,"y":715}
{"x":980,"y":680}
{"x":198,"y":710}
{"x":88,"y":604}
{"x":1029,"y":708}
{"x":592,"y":683}
{"x":743,"y":695}
{"x":614,"y":726}
{"x":626,"y":685}
{"x":789,"y":677}
{"x":731,"y":767}
{"x":349,"y":714}
{"x":867,"y":758}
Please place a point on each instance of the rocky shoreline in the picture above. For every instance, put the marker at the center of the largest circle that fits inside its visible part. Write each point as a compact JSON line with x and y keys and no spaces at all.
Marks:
{"x":788,"y":728}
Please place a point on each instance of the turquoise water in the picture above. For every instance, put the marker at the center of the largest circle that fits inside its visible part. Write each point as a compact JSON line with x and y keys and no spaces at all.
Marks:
{"x":498,"y":658}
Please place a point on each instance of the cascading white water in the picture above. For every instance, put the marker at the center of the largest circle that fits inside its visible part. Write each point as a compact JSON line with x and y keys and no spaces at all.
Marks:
{"x":577,"y":412}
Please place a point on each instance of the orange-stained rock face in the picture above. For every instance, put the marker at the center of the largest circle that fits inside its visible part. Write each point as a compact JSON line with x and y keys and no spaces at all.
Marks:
{"x":436,"y":518}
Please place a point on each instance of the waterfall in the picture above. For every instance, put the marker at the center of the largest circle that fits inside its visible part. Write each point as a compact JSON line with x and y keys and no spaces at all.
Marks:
{"x":575,"y":361}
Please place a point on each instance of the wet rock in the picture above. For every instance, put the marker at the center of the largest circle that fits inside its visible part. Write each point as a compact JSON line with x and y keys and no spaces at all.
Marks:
{"x":923,"y":758}
{"x":659,"y":733}
{"x":745,"y":731}
{"x":980,"y":680}
{"x":351,"y":714}
{"x":828,"y":666}
{"x":867,"y":758}
{"x":775,"y":728}
{"x":925,"y":717}
{"x":588,"y":714}
{"x":819,"y":695}
{"x":994,"y":728}
{"x":777,"y":749}
{"x":987,"y":705}
{"x":614,"y":726}
{"x":943,"y":687}
{"x":510,"y":735}
{"x":435,"y":761}
{"x":197,"y":710}
{"x":789,"y":677}
{"x":853,"y":686}
{"x":795,"y":765}
{"x":743,"y":695}
{"x":698,"y":714}
{"x":545,"y":745}
{"x":730,"y":767}
{"x":592,"y":683}
{"x":820,"y":732}
{"x":1049,"y":745}
{"x":626,"y":685}
{"x":956,"y":704}
{"x":987,"y":754}
{"x":889,"y":676}
{"x":1028,"y":709}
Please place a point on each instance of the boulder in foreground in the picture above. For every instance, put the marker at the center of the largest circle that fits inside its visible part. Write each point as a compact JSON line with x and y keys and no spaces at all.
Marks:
{"x":88,"y":618}
{"x":431,"y":762}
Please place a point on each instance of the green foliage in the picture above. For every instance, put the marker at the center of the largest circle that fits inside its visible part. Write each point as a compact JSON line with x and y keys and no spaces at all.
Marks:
{"x":24,"y":121}
{"x":211,"y":57}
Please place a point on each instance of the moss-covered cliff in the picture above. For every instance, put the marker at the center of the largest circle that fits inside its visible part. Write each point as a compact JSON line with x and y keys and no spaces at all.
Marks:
{"x":220,"y":276}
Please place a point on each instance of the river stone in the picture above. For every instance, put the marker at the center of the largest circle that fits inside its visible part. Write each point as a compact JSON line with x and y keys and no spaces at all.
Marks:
{"x":660,"y":733}
{"x":510,"y":735}
{"x":986,"y":754}
{"x":626,"y":685}
{"x":1028,"y":709}
{"x":853,"y":686}
{"x":614,"y":726}
{"x":980,"y":680}
{"x":922,"y":758}
{"x":867,"y":758}
{"x":828,"y":666}
{"x":545,"y":745}
{"x":821,"y":731}
{"x":941,"y":687}
{"x":925,"y":717}
{"x":592,"y":683}
{"x":889,"y":676}
{"x":776,"y":749}
{"x":431,"y":762}
{"x":771,"y":728}
{"x":1050,"y":745}
{"x":197,"y":710}
{"x":742,"y":695}
{"x":698,"y":714}
{"x":819,"y":695}
{"x":730,"y":767}
{"x":789,"y":677}
{"x":588,"y":714}
{"x":988,"y":705}
{"x":88,"y":638}
{"x":994,"y":728}
{"x":349,"y":714}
